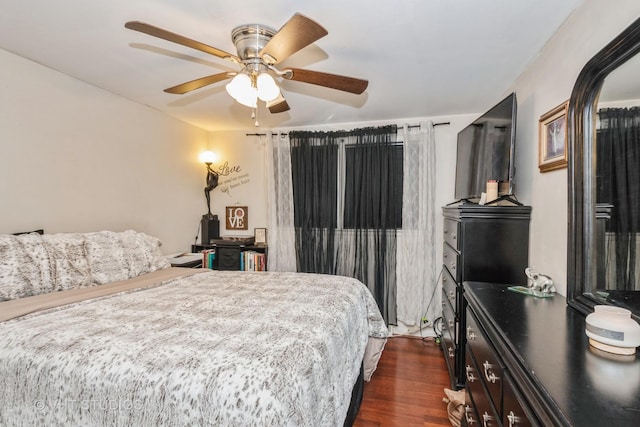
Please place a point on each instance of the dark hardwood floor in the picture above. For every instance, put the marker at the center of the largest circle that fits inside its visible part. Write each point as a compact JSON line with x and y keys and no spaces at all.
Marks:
{"x":407,"y":388}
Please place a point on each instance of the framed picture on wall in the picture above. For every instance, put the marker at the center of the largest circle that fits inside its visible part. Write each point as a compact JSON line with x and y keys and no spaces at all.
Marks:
{"x":552,"y":139}
{"x":236,"y":217}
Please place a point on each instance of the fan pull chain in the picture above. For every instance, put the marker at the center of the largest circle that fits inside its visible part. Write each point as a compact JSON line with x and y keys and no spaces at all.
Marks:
{"x":254,"y":115}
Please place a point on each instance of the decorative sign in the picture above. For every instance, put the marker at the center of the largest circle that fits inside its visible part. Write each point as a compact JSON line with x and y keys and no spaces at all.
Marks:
{"x":237,"y":217}
{"x":230,"y":182}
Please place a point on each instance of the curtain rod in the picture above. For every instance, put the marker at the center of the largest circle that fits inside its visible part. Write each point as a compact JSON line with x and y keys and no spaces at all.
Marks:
{"x":410,"y":126}
{"x":434,"y":125}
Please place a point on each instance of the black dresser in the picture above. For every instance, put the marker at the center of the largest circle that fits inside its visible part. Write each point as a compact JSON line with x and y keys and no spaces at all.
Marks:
{"x":529,"y":363}
{"x":481,"y":243}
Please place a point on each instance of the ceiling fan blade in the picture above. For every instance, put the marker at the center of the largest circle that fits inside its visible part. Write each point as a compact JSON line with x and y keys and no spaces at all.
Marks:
{"x":297,"y":33}
{"x":198,"y":83}
{"x":334,"y":81}
{"x":278,"y":105}
{"x":177,"y":38}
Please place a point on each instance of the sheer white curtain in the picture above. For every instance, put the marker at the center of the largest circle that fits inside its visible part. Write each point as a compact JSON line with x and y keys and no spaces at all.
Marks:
{"x":416,"y":269}
{"x":281,"y":232}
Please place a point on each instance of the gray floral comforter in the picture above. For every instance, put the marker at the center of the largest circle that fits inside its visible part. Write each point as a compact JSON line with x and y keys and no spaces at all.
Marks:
{"x":216,"y":348}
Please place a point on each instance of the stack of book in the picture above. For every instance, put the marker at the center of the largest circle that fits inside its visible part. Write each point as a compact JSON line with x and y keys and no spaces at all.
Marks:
{"x":253,"y":261}
{"x":208,"y":257}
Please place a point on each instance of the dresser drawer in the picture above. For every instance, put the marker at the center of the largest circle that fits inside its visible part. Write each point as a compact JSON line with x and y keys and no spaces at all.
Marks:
{"x":489,"y":367}
{"x":449,"y":288}
{"x":516,"y":413}
{"x":450,"y":258}
{"x":485,"y":411}
{"x":451,"y":230}
{"x":449,"y":321}
{"x":470,"y":415}
{"x":449,"y":350}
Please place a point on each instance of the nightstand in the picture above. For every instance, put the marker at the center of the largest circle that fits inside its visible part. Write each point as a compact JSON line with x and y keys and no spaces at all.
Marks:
{"x":236,"y":256}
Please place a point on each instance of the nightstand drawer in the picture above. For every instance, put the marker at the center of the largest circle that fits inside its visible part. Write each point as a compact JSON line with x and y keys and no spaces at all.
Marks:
{"x":228,"y":258}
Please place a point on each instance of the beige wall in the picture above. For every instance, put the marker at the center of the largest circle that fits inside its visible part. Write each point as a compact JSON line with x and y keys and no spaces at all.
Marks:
{"x":76,"y":158}
{"x":548,"y":82}
{"x":242,"y":182}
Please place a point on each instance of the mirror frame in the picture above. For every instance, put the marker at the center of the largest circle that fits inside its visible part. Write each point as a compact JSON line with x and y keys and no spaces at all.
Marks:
{"x":581,"y":256}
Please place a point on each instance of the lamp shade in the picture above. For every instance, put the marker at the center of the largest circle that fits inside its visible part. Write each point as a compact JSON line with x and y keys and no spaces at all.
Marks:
{"x":249,"y":98}
{"x":207,"y":157}
{"x":241,"y":90}
{"x":267,"y":88}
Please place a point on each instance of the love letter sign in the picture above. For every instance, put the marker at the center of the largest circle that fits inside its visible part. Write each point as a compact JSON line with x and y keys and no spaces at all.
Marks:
{"x":237,"y":217}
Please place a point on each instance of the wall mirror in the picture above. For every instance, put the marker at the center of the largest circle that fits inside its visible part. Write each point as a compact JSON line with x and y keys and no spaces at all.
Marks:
{"x":604,"y":178}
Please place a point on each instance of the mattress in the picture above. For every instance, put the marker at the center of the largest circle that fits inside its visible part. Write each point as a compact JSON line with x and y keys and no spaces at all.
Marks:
{"x":189,"y":347}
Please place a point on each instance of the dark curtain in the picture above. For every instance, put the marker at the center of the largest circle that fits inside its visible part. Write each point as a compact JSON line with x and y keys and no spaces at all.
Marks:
{"x":617,"y":179}
{"x":314,"y":169}
{"x":372,"y":206}
{"x":373,"y":180}
{"x":373,"y":210}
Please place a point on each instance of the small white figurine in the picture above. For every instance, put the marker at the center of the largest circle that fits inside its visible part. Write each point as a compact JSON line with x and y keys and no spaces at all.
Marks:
{"x":539,"y":282}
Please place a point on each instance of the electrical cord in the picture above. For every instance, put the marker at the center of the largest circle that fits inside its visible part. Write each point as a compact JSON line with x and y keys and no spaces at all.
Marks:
{"x":435,"y":288}
{"x":437,"y":328}
{"x":195,"y":240}
{"x":426,"y":312}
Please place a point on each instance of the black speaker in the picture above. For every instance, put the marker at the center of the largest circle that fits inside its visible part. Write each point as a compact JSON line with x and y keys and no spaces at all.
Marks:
{"x":210,"y":228}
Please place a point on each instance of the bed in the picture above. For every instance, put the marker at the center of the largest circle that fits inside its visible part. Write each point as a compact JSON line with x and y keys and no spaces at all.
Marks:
{"x":97,"y":329}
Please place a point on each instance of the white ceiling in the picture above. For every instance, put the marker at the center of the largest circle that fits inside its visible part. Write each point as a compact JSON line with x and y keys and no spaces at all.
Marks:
{"x":423,"y":58}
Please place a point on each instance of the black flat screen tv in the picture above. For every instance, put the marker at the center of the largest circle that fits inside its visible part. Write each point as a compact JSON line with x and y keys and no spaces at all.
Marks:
{"x":486,"y":151}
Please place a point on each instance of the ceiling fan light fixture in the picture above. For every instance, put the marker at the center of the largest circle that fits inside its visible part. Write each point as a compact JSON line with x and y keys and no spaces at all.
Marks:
{"x":237,"y":85}
{"x":268,"y":90}
{"x":249,"y":97}
{"x":259,"y":49}
{"x":241,"y":89}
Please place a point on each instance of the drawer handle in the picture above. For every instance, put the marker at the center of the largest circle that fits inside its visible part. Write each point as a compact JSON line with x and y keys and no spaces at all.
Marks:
{"x":513,"y":419}
{"x":470,"y":334}
{"x":488,"y":372}
{"x":444,"y":256}
{"x":453,"y":266}
{"x":454,"y":236}
{"x":487,"y":419}
{"x":470,"y":376}
{"x":452,"y":294}
{"x":451,"y":353}
{"x":451,"y":323}
{"x":468,"y":415}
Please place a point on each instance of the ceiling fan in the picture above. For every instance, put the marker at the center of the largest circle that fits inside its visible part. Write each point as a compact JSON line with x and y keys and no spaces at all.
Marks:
{"x":259,"y":50}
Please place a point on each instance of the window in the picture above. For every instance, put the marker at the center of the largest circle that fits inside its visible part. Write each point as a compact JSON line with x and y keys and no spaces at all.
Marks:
{"x":373,"y":186}
{"x":347,"y":180}
{"x":315,"y":188}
